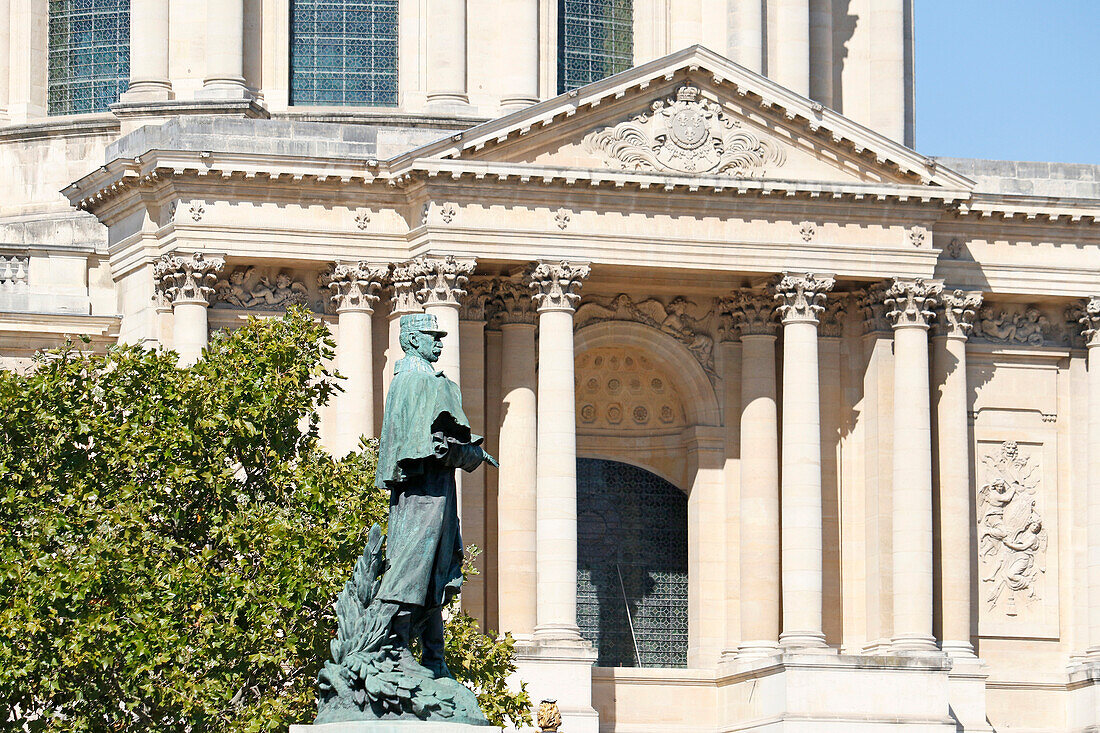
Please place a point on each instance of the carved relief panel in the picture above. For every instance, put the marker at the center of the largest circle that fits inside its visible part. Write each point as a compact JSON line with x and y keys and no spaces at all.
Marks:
{"x":1016,"y":499}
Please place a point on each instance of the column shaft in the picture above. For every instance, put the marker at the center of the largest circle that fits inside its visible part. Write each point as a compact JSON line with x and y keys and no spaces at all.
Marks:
{"x":729,"y":370}
{"x":493,"y":364}
{"x":759,"y":497}
{"x":148,"y":51}
{"x":520,"y":46}
{"x":516,"y":502}
{"x":5,"y":55}
{"x":887,"y":62}
{"x":1091,"y":322}
{"x":792,"y":45}
{"x":472,"y":509}
{"x":748,"y":47}
{"x":912,"y":483}
{"x":821,"y":51}
{"x":446,"y":51}
{"x":224,"y":50}
{"x":355,"y":405}
{"x":953,"y":443}
{"x":190,"y":331}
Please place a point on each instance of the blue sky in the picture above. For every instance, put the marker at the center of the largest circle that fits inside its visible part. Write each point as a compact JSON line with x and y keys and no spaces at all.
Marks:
{"x":1008,"y":79}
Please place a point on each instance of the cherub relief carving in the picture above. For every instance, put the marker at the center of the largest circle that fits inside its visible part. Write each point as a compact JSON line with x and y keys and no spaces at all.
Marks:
{"x":1027,"y":326}
{"x":675,"y":319}
{"x":1012,"y":541}
{"x":264,"y":294}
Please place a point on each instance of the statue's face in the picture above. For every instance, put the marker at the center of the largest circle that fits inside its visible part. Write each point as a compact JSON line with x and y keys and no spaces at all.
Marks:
{"x":428,"y":345}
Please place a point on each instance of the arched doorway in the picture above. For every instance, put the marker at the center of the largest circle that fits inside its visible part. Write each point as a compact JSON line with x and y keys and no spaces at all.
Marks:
{"x":632,"y":579}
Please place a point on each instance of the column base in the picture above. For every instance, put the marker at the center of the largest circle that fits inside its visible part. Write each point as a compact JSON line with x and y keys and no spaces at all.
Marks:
{"x":804,"y":641}
{"x":147,"y":90}
{"x":753,"y":650}
{"x":223,"y":88}
{"x":958,"y":650}
{"x":447,"y":101}
{"x":799,"y":692}
{"x":559,"y":633}
{"x":562,"y":671}
{"x":914,"y":643}
{"x":514,"y":104}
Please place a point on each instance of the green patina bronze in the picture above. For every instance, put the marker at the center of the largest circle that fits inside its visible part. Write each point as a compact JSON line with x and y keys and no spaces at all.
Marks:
{"x":396,"y":595}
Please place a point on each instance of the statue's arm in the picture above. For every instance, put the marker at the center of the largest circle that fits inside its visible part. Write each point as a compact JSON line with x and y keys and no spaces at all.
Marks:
{"x":458,"y":454}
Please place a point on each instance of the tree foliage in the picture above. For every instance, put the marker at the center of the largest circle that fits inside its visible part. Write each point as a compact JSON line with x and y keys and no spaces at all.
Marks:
{"x":171,"y":540}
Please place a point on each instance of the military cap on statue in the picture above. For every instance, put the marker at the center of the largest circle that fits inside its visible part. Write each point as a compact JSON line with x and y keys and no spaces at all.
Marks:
{"x":421,"y":323}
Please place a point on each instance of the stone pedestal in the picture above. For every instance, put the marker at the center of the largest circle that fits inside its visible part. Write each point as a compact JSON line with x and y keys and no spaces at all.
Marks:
{"x":562,"y":671}
{"x":393,"y":726}
{"x":966,"y":692}
{"x":807,"y":692}
{"x":1084,"y":698}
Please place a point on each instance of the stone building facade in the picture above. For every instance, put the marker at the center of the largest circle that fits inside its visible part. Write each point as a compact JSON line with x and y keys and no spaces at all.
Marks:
{"x":799,"y":429}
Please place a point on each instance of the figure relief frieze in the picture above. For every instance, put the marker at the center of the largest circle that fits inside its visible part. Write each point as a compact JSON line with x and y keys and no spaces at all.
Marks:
{"x":801,"y":297}
{"x":955,"y":313}
{"x":686,"y":134}
{"x":911,"y":302}
{"x":187,"y":279}
{"x":1012,"y":541}
{"x":1018,"y":324}
{"x":681,"y":319}
{"x":246,"y":289}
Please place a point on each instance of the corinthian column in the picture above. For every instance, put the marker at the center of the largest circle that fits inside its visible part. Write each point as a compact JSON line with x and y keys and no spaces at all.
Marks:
{"x":446,"y":51}
{"x":910,"y":303}
{"x":188,"y":284}
{"x":1090,"y":319}
{"x":801,"y":300}
{"x":148,"y":52}
{"x":759,"y":557}
{"x":517,"y":513}
{"x":224,"y":51}
{"x":354,"y":291}
{"x":403,"y":302}
{"x":954,"y":319}
{"x":441,"y":284}
{"x":555,"y":286}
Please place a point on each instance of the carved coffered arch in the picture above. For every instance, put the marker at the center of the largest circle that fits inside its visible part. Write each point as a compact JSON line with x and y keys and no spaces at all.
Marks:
{"x":666,"y":355}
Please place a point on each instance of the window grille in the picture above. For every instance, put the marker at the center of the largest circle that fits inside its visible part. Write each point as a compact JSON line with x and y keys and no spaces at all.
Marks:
{"x":595,"y":39}
{"x":89,"y":55}
{"x":632,"y":580}
{"x":343,"y":52}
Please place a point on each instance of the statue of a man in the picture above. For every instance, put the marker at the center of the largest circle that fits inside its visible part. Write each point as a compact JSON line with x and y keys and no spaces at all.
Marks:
{"x":425,"y":437}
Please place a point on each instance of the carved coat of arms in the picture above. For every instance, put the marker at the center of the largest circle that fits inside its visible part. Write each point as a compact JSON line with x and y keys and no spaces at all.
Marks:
{"x":687,"y":134}
{"x":1012,"y":540}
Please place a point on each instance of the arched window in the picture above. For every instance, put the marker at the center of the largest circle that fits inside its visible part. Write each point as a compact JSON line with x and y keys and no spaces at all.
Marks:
{"x":632,"y":579}
{"x":595,"y":39}
{"x":343,"y":52}
{"x":89,"y":55}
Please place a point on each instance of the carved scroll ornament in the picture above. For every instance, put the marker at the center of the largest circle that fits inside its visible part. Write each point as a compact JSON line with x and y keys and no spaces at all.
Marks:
{"x":687,"y":134}
{"x":1012,"y":540}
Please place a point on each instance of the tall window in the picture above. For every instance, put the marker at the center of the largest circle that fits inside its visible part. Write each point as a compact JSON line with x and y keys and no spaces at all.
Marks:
{"x":595,"y":39}
{"x":343,"y":52}
{"x":89,"y":57}
{"x":632,"y":578}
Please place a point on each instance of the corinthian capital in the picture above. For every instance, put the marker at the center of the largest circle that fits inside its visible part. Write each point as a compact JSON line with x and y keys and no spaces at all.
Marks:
{"x":910,"y":302}
{"x":187,"y":279}
{"x":955,"y":313}
{"x":403,"y":282}
{"x":353,"y":287}
{"x":1089,"y":317}
{"x":441,"y":281}
{"x":753,"y":313}
{"x":555,"y":285}
{"x":872,"y":306}
{"x":832,"y":321}
{"x":515,"y":302}
{"x":479,"y":294}
{"x":801,"y":297}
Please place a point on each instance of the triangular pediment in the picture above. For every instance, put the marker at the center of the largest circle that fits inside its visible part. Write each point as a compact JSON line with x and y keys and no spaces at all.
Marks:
{"x":690,"y":114}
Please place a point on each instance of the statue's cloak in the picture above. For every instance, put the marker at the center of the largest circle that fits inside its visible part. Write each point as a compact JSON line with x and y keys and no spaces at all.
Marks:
{"x":423,"y":417}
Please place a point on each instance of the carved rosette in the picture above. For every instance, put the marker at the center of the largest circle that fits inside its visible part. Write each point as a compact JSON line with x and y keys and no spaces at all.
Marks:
{"x":955,"y":313}
{"x":801,"y":297}
{"x":441,"y":281}
{"x":187,"y":279}
{"x":555,"y":285}
{"x":872,"y":306}
{"x":353,"y":287}
{"x":479,"y":295}
{"x":403,"y":284}
{"x":753,"y":313}
{"x":1090,"y":319}
{"x":832,"y":320}
{"x":516,"y":303}
{"x":910,"y":302}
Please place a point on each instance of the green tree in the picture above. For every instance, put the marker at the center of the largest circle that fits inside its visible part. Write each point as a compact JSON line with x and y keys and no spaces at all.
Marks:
{"x":171,"y":540}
